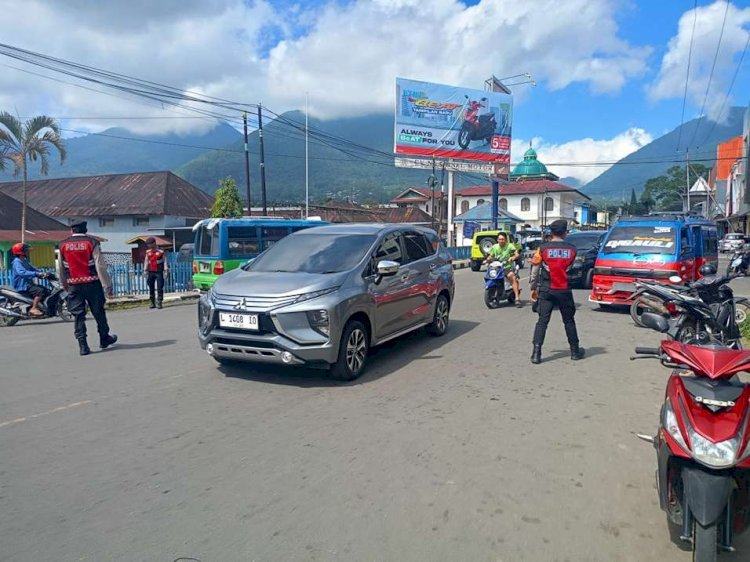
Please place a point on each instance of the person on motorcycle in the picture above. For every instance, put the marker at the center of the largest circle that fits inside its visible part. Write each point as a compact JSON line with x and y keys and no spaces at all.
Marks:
{"x":24,"y":276}
{"x":507,"y":254}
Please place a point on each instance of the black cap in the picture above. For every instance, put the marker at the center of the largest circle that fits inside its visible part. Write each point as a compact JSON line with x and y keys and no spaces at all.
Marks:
{"x":78,"y":224}
{"x":150,"y":240}
{"x":559,"y":226}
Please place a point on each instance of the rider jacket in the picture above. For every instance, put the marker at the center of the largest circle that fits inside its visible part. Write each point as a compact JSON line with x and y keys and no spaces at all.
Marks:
{"x":549,"y":267}
{"x":155,"y":261}
{"x":23,"y":274}
{"x":82,"y":261}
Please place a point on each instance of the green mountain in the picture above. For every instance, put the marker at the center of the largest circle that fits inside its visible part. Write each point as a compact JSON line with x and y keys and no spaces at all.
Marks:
{"x":632,"y":172}
{"x":118,"y":151}
{"x":341,"y":172}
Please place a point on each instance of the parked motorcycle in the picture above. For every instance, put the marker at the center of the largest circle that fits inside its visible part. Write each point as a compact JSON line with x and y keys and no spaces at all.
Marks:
{"x":740,"y":262}
{"x":475,"y":126}
{"x":705,"y":309}
{"x":14,"y":306}
{"x":702,"y":448}
{"x":497,"y":288}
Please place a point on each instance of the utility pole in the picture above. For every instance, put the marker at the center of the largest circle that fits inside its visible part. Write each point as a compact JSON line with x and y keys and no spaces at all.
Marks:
{"x":432,"y":180}
{"x":247,"y":166}
{"x":262,"y":163}
{"x":307,"y":170}
{"x":687,"y":177}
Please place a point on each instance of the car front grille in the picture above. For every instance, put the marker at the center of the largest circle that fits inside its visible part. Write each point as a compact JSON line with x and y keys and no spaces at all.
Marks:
{"x":252,"y":303}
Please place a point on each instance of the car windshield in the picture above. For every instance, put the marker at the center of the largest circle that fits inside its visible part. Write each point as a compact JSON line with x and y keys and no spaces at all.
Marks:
{"x":640,"y":240}
{"x":324,"y":252}
{"x":583,"y":241}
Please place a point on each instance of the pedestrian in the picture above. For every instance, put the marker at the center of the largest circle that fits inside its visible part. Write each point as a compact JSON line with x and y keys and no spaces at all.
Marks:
{"x":83,"y":273}
{"x":155,"y":269}
{"x":549,"y":283}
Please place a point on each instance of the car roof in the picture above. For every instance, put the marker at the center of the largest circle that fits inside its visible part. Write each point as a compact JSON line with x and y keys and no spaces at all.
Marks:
{"x":361,"y":228}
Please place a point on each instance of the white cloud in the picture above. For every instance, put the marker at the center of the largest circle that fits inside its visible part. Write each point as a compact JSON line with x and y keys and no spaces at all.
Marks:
{"x":555,"y":156}
{"x":346,"y":55}
{"x":670,"y":82}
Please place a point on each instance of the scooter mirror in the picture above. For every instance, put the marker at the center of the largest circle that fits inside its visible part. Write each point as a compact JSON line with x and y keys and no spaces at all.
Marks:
{"x":655,"y":322}
{"x":675,"y":279}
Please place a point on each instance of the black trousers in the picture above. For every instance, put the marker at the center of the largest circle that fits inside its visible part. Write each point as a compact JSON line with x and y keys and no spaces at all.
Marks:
{"x":155,"y":280}
{"x":91,"y":294}
{"x":547,"y":302}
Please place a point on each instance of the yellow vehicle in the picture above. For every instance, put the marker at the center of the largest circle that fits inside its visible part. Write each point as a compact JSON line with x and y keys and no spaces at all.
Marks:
{"x":481,"y":244}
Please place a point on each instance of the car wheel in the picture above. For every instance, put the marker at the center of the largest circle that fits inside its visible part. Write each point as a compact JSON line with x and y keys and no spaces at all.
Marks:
{"x":485,"y":244}
{"x":353,"y":351}
{"x":475,"y":265}
{"x":588,"y":279}
{"x":440,"y":320}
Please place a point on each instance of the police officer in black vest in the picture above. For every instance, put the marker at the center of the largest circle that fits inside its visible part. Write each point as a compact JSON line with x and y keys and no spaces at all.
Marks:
{"x":549,"y":282}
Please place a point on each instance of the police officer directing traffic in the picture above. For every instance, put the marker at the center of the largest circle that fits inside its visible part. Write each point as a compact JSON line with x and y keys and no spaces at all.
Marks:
{"x":155,"y":269}
{"x":549,"y":281}
{"x":83,"y":273}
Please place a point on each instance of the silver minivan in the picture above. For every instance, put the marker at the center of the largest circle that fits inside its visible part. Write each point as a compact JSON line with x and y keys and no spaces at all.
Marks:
{"x":324,"y":296}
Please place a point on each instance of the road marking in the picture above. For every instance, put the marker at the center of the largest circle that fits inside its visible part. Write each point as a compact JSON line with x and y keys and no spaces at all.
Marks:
{"x":60,"y":409}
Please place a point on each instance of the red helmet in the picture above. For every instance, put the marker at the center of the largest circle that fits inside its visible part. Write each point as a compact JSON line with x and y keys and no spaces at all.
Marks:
{"x":20,"y":249}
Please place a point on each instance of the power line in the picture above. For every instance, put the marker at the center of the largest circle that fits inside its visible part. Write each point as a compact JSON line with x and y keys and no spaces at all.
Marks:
{"x":687,"y":74}
{"x":711,"y":75}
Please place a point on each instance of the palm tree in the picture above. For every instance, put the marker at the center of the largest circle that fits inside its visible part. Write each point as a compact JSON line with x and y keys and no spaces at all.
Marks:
{"x":24,"y":142}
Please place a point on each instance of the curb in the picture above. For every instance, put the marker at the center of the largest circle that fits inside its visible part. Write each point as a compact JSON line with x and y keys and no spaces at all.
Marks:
{"x":461,"y":264}
{"x":135,"y":301}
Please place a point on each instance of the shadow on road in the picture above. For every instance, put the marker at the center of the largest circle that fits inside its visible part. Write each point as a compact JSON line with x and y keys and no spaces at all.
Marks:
{"x":565,"y":353}
{"x":144,"y":345}
{"x":383,"y":360}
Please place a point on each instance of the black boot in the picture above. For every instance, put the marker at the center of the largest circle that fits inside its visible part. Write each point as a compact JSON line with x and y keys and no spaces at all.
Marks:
{"x":83,"y":347}
{"x":158,"y":304}
{"x":106,"y":342}
{"x":152,"y":305}
{"x":577,"y":352}
{"x":536,"y":355}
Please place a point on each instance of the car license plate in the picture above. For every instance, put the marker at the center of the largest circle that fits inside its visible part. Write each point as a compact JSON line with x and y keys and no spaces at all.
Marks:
{"x":204,"y":267}
{"x":239,"y":321}
{"x":624,"y":287}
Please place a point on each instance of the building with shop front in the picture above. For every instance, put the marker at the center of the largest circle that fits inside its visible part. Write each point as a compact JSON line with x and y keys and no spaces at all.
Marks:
{"x":732,"y":168}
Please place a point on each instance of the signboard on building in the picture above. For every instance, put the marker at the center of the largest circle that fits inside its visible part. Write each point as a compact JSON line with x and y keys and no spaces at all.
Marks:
{"x":439,"y":121}
{"x":491,"y":168}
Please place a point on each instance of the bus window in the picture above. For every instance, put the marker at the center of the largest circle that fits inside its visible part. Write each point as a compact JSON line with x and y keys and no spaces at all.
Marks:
{"x":710,"y":241}
{"x":272,"y":234}
{"x":208,"y":241}
{"x":242,"y":241}
{"x":684,"y":241}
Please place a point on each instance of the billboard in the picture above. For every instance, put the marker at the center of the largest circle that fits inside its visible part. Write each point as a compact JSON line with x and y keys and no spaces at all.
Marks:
{"x":439,"y":121}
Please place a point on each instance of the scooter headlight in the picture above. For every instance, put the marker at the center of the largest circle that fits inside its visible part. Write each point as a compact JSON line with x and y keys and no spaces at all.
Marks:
{"x":716,"y":455}
{"x":670,"y":424}
{"x":492,"y":273}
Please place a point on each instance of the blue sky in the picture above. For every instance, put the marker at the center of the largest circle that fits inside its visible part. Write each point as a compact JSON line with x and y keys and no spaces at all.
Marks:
{"x":610,"y":73}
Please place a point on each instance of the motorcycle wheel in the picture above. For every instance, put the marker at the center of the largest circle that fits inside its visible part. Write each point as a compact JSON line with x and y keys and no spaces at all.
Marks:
{"x":490,"y":298}
{"x":704,"y":543}
{"x":637,"y":308}
{"x":464,"y":138}
{"x":7,"y":321}
{"x":512,"y":297}
{"x":687,"y":333}
{"x":64,"y":313}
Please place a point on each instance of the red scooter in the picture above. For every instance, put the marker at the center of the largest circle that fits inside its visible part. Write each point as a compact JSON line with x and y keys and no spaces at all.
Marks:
{"x":702,"y":450}
{"x":475,"y":126}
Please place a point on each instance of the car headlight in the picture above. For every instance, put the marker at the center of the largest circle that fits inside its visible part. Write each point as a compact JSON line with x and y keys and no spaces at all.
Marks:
{"x":205,"y":310}
{"x":716,"y":455}
{"x":319,"y":322}
{"x":314,"y":295}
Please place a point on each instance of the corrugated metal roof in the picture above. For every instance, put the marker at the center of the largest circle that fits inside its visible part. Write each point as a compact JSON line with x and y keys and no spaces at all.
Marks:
{"x":148,"y":194}
{"x":412,"y":215}
{"x":483,"y":212}
{"x":38,"y":225}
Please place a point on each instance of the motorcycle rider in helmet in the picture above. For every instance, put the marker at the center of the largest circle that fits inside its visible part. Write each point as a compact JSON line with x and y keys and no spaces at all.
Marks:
{"x":24,"y":276}
{"x":708,"y":269}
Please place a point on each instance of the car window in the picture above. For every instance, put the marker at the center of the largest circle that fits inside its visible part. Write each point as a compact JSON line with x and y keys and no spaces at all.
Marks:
{"x":390,"y":249}
{"x":208,"y":241}
{"x":321,"y":252}
{"x":242,"y":241}
{"x":417,"y":247}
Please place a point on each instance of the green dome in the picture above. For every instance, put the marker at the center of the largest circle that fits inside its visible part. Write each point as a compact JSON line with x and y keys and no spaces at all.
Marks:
{"x":530,"y":167}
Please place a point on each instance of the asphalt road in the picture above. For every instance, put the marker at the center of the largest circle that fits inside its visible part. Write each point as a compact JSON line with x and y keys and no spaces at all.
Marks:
{"x":454,"y":448}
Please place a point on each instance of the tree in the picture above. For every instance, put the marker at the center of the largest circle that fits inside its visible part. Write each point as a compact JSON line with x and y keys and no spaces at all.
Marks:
{"x":227,"y":202}
{"x":666,"y":192}
{"x":29,"y":141}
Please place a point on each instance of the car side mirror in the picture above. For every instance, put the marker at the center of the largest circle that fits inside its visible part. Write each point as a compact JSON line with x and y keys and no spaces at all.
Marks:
{"x":655,"y":322}
{"x":387,"y":268}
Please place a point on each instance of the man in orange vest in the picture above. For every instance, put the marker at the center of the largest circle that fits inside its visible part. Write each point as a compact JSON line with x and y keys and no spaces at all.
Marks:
{"x":83,"y":273}
{"x":155,"y":269}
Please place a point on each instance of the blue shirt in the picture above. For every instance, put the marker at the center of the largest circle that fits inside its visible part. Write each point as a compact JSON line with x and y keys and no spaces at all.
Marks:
{"x":23,"y":273}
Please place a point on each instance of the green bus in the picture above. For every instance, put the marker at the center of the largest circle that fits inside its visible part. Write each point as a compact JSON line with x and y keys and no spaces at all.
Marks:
{"x":222,"y":245}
